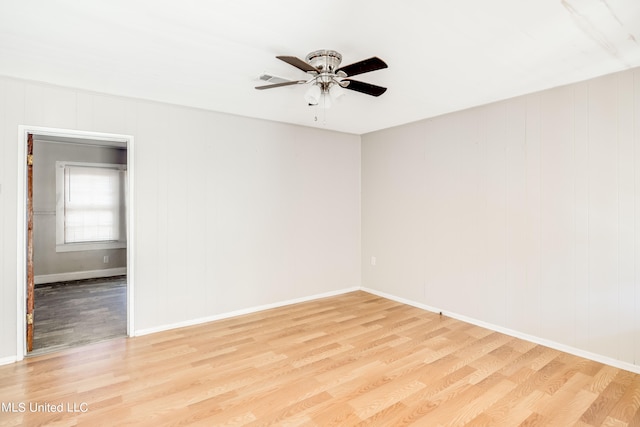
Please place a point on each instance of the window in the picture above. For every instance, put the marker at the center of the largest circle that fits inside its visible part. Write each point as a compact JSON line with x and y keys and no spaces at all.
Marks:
{"x":90,"y":206}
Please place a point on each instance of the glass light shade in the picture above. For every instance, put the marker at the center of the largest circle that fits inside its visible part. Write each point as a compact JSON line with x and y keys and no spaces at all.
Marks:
{"x":312,"y":96}
{"x":336,"y":91}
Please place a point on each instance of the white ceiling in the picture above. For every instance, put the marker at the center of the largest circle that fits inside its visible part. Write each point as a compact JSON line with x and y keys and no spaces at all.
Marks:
{"x":443,"y":56}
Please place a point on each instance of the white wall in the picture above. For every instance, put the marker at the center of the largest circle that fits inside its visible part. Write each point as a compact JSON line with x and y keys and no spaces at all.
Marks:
{"x":231,"y":213}
{"x":520,"y":214}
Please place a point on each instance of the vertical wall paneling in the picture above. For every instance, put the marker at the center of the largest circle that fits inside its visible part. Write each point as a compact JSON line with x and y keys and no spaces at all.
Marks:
{"x":626,"y":216}
{"x":372,"y":178}
{"x":104,"y":113}
{"x":516,"y":211}
{"x":155,"y":119}
{"x":197,"y":210}
{"x":442,"y":235}
{"x":483,"y":215}
{"x":495,"y":213}
{"x":581,"y":297}
{"x":469,"y":244}
{"x":238,"y":214}
{"x":240,"y":237}
{"x":604,"y":285}
{"x":554,"y":200}
{"x":110,"y":113}
{"x":151,"y":127}
{"x":453,"y":209}
{"x":636,"y":147}
{"x":85,"y":110}
{"x":530,"y":318}
{"x":165,"y":181}
{"x":210,"y":161}
{"x":557,"y":214}
{"x":13,"y":113}
{"x":4,"y":292}
{"x":50,"y":106}
{"x":176,"y":164}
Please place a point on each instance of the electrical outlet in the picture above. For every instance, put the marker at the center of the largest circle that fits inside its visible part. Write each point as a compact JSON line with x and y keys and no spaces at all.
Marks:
{"x":373,"y":260}
{"x":105,"y":259}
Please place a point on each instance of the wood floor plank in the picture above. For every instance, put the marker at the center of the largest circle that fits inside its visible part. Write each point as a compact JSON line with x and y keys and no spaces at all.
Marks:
{"x":79,"y":312}
{"x":353,"y":359}
{"x":629,"y":404}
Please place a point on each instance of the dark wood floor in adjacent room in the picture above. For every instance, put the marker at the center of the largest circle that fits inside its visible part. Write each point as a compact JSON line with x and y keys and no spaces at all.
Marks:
{"x":353,"y":359}
{"x":69,"y":314}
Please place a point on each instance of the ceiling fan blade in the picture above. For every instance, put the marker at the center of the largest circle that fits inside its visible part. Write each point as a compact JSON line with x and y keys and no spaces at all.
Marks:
{"x":366,"y":88}
{"x":293,"y":82}
{"x":298,"y":63}
{"x":363,"y":66}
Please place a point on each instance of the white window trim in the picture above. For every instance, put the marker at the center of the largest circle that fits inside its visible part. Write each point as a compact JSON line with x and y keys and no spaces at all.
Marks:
{"x":61,"y":246}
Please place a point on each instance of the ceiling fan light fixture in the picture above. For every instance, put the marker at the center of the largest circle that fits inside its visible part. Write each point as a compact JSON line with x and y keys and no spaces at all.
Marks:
{"x":336,"y":91}
{"x":328,"y":79}
{"x":313,"y":95}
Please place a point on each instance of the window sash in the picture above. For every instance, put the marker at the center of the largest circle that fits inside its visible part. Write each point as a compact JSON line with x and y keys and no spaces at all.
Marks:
{"x":90,"y":203}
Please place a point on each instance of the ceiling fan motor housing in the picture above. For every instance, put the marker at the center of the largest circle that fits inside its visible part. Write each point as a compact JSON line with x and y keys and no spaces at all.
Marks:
{"x":325,"y":61}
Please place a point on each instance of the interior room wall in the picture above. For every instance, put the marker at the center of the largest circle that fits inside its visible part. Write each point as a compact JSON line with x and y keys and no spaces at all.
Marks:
{"x":521,"y":215}
{"x":231,"y":213}
{"x":49,"y":265}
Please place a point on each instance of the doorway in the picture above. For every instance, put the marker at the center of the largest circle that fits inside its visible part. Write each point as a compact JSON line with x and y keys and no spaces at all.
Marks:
{"x":103,"y":252}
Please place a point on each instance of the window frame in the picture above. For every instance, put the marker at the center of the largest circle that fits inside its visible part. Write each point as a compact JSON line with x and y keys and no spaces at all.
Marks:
{"x":61,"y":245}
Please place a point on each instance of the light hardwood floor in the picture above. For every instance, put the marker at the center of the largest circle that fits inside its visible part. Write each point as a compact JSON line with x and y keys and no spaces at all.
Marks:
{"x":354,"y":359}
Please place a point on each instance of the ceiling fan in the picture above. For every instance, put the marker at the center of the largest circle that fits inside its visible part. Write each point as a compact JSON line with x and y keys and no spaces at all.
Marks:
{"x":328,"y":80}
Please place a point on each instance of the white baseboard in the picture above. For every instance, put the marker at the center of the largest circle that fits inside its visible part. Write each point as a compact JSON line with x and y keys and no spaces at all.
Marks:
{"x":79,"y":275}
{"x":532,"y":338}
{"x":241,"y":312}
{"x":7,"y":360}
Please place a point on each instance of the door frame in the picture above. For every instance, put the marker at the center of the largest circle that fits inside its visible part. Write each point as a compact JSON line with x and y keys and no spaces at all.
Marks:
{"x":80,"y":137}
